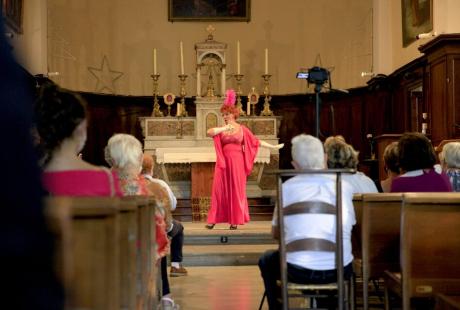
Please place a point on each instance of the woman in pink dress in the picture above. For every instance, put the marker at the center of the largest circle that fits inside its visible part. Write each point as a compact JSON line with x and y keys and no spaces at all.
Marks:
{"x":236,"y":148}
{"x":61,"y":125}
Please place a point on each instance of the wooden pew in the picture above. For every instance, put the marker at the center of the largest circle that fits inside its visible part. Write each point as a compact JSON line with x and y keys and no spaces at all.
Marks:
{"x":58,"y":218}
{"x":146,"y":254}
{"x":93,"y":262}
{"x":128,"y":252}
{"x":380,"y":236}
{"x":429,"y":246}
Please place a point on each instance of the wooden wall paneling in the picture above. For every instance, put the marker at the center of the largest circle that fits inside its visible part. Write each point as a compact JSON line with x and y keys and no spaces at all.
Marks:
{"x":442,"y":54}
{"x":437,"y":107}
{"x":455,"y":95}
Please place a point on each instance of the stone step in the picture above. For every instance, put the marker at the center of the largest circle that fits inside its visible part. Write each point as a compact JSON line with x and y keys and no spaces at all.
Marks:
{"x":223,"y":247}
{"x":260,"y":209}
{"x":218,"y":239}
{"x":224,"y":255}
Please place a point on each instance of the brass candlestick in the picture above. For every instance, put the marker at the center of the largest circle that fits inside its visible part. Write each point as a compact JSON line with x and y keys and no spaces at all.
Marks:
{"x":239,"y":105}
{"x":183,"y":92}
{"x":266,"y":111}
{"x":156,"y":106}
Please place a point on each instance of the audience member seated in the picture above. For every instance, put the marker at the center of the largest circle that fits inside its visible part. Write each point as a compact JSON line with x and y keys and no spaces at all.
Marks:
{"x":124,"y":154}
{"x":309,"y":267}
{"x":174,"y":228}
{"x":416,"y":161}
{"x":26,"y":244}
{"x":61,"y":123}
{"x":450,"y":162}
{"x":391,"y":165}
{"x":342,"y":155}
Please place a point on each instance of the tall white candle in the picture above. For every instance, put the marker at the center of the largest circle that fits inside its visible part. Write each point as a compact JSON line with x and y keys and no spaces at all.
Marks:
{"x":248,"y":108}
{"x":154,"y":61}
{"x":181,"y":58}
{"x":238,"y":57}
{"x":266,"y":61}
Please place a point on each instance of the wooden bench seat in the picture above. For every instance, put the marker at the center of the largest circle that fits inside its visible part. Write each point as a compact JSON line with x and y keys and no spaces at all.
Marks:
{"x":128,"y":251}
{"x":380,"y":236}
{"x":429,"y":247}
{"x":92,"y":263}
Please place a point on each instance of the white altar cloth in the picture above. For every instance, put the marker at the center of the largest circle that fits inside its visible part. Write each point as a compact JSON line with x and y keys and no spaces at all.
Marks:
{"x":186,"y":155}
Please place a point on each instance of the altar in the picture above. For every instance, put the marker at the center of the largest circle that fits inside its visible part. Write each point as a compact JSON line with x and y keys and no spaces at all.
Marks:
{"x":185,"y":156}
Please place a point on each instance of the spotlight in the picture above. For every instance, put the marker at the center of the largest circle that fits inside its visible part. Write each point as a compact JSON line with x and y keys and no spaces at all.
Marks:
{"x":370,"y":74}
{"x":426,"y":35}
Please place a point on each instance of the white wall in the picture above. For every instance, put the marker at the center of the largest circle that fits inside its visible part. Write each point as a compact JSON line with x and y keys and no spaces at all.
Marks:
{"x":82,"y":32}
{"x":445,"y":20}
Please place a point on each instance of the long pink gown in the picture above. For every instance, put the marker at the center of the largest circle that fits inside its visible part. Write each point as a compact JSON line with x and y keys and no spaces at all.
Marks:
{"x":235,"y":156}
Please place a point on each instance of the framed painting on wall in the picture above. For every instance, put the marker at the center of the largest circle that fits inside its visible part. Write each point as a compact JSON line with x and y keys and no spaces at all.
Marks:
{"x":209,"y":10}
{"x":417,"y":18}
{"x":12,"y":13}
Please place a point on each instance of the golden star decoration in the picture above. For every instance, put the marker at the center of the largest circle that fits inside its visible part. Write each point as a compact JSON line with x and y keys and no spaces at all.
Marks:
{"x":105,"y":76}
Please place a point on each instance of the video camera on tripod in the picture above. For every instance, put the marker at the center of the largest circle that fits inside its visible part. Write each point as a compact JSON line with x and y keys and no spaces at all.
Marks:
{"x":315,"y":75}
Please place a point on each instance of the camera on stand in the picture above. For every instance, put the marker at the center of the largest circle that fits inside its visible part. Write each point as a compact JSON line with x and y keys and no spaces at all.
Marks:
{"x":315,"y":75}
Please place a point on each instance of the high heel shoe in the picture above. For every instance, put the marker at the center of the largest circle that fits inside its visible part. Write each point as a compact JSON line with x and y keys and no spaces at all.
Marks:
{"x":209,"y":226}
{"x":233,"y":227}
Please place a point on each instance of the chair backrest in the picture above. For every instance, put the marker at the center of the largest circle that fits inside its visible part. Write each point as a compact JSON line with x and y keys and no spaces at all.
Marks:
{"x":310,"y":244}
{"x":380,"y":233}
{"x":430,"y":244}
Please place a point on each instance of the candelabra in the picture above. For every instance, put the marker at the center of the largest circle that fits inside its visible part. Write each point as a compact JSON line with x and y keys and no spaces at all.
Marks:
{"x":266,"y":111}
{"x":239,"y":105}
{"x":156,"y":106}
{"x":182,"y":111}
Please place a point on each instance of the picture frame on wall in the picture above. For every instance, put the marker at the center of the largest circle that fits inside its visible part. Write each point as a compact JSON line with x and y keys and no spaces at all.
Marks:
{"x":12,"y":11}
{"x":209,"y":10}
{"x":417,"y":18}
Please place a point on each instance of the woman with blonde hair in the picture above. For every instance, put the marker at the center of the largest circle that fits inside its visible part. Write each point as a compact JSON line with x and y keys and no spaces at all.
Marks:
{"x":391,"y":165}
{"x":341,"y":155}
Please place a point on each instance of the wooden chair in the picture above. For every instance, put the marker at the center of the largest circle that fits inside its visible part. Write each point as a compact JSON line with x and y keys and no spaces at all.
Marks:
{"x":128,"y":251}
{"x":94,"y":251}
{"x":429,"y":246}
{"x":314,"y":291}
{"x":380,"y":237}
{"x":447,"y":302}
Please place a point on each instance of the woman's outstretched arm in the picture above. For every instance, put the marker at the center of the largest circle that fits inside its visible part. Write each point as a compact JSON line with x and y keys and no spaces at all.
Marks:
{"x":271,"y":146}
{"x":217,"y":130}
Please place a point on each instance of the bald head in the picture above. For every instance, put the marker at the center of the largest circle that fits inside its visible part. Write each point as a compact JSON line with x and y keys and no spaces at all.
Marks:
{"x":147,"y":164}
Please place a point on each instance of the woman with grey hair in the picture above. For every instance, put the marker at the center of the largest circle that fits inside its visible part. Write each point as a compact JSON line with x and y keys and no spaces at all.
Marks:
{"x":124,"y":153}
{"x":450,"y":162}
{"x":341,"y":155}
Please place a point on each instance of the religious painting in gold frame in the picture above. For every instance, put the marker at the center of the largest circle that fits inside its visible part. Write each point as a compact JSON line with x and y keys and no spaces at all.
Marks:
{"x":417,"y":18}
{"x":209,"y":10}
{"x":12,"y":11}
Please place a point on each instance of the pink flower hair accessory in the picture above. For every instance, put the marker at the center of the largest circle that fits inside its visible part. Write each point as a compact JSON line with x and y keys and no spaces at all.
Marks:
{"x":230,"y":97}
